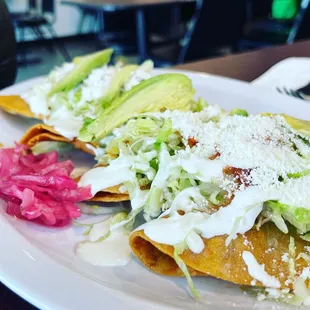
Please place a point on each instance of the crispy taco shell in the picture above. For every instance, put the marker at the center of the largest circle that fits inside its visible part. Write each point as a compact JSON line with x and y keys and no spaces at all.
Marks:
{"x":267,"y":245}
{"x":17,"y":106}
{"x":105,"y":196}
{"x":41,"y":132}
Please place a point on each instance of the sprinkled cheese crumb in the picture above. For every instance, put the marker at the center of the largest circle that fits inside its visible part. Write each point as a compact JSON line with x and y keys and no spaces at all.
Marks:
{"x":261,"y":297}
{"x":305,"y":274}
{"x":122,"y":189}
{"x":243,"y":142}
{"x":285,"y":258}
{"x":288,"y":282}
{"x":247,"y":243}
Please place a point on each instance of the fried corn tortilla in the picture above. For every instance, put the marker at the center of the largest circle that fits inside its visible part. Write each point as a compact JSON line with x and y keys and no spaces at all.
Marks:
{"x":105,"y":196}
{"x":17,"y":106}
{"x":41,"y":132}
{"x":268,"y":245}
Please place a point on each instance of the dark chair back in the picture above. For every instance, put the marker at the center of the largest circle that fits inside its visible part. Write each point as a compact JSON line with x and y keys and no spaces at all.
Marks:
{"x":8,"y":67}
{"x":48,"y":6}
{"x":220,"y":23}
{"x":42,"y":6}
{"x":267,"y":31}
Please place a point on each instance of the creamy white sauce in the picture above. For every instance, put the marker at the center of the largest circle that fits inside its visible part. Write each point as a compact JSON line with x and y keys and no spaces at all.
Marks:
{"x":236,"y":218}
{"x":138,"y":198}
{"x":203,"y":169}
{"x":65,"y":122}
{"x":194,"y":242}
{"x":187,"y":200}
{"x":103,"y":177}
{"x":258,"y":272}
{"x":98,"y":151}
{"x":36,"y":97}
{"x":112,"y":251}
{"x":175,"y":229}
{"x":167,"y":165}
{"x":100,"y":229}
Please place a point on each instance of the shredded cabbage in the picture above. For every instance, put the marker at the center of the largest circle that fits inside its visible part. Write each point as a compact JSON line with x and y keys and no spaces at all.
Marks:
{"x":305,"y":237}
{"x":297,"y":216}
{"x":178,"y":251}
{"x":88,"y":226}
{"x":292,"y":257}
{"x":199,"y":105}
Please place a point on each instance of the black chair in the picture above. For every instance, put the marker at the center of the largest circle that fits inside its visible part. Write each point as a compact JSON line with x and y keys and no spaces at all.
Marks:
{"x":169,"y":28}
{"x":113,"y":28}
{"x":263,"y":32}
{"x":207,"y":33}
{"x":94,"y":16}
{"x":170,"y":50}
{"x":8,"y":66}
{"x":38,"y":19}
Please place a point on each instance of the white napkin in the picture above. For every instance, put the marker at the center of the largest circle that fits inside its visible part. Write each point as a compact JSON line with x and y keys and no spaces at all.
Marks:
{"x":291,"y":73}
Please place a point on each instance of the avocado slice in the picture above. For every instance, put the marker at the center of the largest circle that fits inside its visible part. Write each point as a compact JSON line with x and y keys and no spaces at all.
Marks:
{"x":239,"y":112}
{"x":83,"y":68}
{"x":171,"y":91}
{"x":117,"y":82}
{"x":299,"y":125}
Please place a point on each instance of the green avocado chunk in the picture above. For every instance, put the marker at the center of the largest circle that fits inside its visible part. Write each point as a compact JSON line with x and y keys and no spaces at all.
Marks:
{"x":117,"y":83}
{"x":301,"y":126}
{"x":171,"y":91}
{"x":83,"y":67}
{"x":239,"y":112}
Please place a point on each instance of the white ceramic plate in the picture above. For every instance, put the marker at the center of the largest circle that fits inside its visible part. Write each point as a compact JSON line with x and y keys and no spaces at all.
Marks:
{"x":40,"y":265}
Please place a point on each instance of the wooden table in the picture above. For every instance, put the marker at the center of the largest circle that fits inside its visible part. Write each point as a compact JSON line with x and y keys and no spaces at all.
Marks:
{"x":138,"y":5}
{"x":247,"y":67}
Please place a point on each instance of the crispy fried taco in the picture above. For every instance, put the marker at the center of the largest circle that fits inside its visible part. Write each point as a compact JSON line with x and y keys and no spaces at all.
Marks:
{"x":222,"y":194}
{"x":258,"y":257}
{"x":40,"y":133}
{"x":17,"y":106}
{"x":77,"y":92}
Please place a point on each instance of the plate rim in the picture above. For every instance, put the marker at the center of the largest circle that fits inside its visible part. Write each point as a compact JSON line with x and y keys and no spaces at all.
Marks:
{"x":39,"y":298}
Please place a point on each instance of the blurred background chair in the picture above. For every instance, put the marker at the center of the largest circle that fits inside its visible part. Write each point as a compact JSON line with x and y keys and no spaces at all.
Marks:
{"x":8,"y":67}
{"x":113,"y":28}
{"x":172,"y":33}
{"x":39,"y":19}
{"x":270,"y":30}
{"x":213,"y":30}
